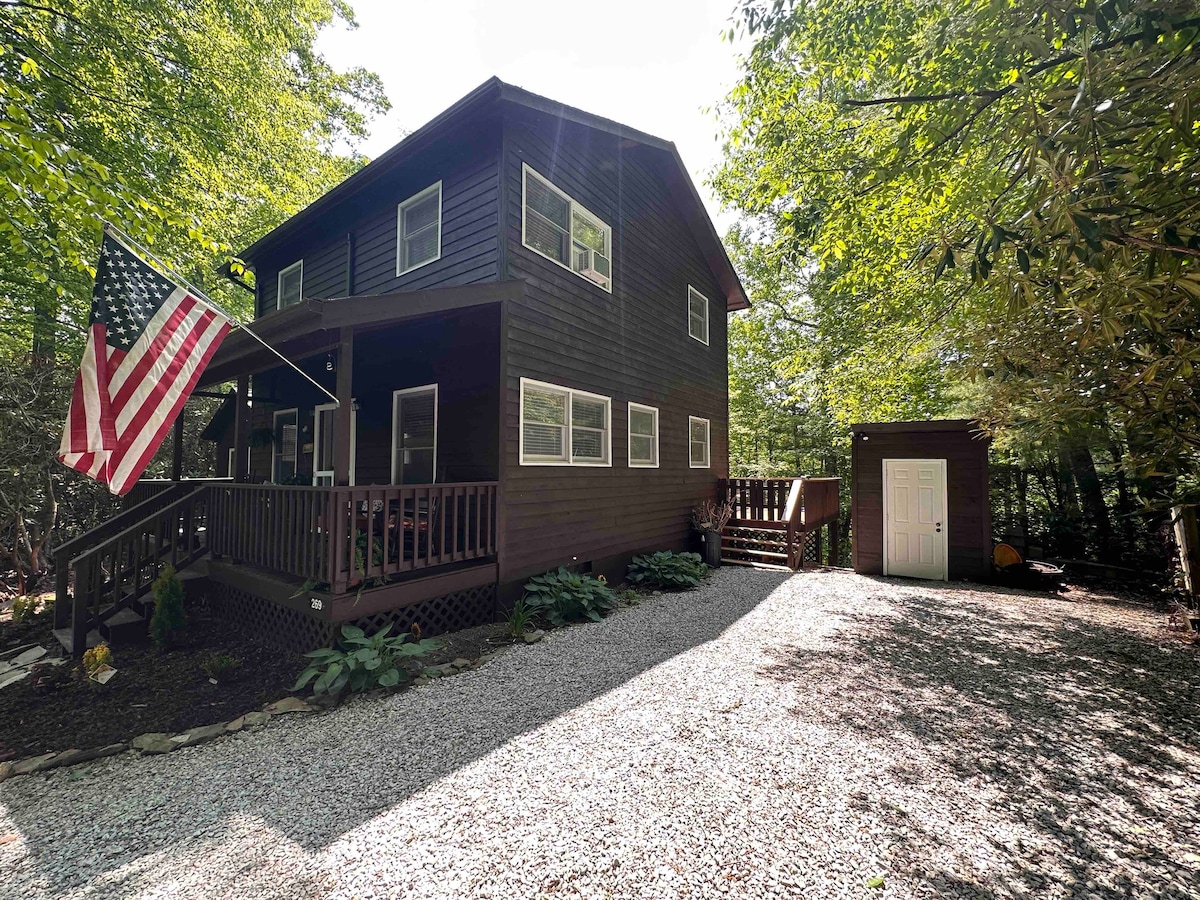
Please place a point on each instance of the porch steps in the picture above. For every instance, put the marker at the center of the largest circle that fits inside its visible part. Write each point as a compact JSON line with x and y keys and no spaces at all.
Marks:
{"x":764,"y":548}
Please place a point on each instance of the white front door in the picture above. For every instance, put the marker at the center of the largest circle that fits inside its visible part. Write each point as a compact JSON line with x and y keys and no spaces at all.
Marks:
{"x":914,"y":518}
{"x":323,"y":442}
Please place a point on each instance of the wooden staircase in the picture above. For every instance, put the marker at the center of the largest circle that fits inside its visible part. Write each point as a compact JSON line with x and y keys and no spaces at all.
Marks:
{"x":773,"y":519}
{"x":104,"y":576}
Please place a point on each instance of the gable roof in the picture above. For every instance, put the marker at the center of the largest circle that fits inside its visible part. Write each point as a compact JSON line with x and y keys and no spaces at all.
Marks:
{"x":495,"y":91}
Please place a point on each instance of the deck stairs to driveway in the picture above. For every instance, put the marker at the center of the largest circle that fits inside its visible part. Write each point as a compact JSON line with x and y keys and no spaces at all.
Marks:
{"x":105,"y":575}
{"x":776,"y":520}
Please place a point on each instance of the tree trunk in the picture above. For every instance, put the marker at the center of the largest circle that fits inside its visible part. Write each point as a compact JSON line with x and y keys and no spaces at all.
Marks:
{"x":1096,"y":524}
{"x":1125,"y":509}
{"x":43,"y":527}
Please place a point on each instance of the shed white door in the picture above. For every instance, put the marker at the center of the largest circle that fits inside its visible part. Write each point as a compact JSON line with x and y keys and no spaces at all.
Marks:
{"x":914,"y":518}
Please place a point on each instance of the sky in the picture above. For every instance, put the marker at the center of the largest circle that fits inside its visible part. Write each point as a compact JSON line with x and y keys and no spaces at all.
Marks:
{"x":654,"y":65}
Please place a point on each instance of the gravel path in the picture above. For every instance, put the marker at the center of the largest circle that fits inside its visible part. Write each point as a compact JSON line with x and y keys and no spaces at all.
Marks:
{"x":764,"y":737}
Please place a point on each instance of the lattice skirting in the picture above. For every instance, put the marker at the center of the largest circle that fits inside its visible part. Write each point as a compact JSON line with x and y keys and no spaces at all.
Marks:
{"x":295,"y":631}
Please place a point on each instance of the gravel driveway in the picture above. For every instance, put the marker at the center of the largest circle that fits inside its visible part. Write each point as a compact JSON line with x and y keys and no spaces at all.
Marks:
{"x":766,"y":736}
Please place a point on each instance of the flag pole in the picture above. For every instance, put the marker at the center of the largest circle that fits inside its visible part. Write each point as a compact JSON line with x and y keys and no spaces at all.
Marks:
{"x":133,"y":246}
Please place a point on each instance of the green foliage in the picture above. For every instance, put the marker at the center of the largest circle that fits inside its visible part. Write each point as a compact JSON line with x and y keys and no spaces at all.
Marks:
{"x":95,"y":658}
{"x":562,"y":596}
{"x":668,"y":571}
{"x":984,"y":208}
{"x":196,"y":128}
{"x":24,"y":608}
{"x":168,"y":619}
{"x":362,"y":663}
{"x":520,"y":617}
{"x":219,"y":666}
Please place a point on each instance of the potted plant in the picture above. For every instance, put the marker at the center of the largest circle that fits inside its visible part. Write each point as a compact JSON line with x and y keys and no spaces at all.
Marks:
{"x":710,"y":519}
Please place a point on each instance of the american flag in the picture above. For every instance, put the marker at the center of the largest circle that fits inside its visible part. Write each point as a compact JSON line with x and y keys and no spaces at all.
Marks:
{"x":148,"y":341}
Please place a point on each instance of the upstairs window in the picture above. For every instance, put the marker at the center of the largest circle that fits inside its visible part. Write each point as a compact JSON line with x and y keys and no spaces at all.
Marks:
{"x":697,"y":315}
{"x":560,"y":229}
{"x":643,"y":436}
{"x":291,"y":285}
{"x":419,"y":229}
{"x":564,"y":427}
{"x":698,"y":441}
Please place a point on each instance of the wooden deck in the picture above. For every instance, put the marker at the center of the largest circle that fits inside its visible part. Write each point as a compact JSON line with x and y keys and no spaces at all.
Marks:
{"x":775,"y":518}
{"x":320,"y":546}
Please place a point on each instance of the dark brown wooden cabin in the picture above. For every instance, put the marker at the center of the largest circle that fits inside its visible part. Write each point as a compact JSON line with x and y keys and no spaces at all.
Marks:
{"x":919,"y":500}
{"x":521,"y":311}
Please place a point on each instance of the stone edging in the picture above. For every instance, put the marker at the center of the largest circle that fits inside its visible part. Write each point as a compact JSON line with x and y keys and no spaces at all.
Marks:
{"x":157,"y":742}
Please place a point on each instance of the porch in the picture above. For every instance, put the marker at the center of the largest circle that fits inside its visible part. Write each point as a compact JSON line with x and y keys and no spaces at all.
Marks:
{"x":780,"y":523}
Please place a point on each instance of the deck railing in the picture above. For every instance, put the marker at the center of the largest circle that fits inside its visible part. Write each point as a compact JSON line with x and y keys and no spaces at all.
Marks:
{"x":344,"y":536}
{"x":758,"y":499}
{"x":796,"y":506}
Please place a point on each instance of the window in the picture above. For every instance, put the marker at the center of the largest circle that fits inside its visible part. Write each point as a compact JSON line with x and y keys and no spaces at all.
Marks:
{"x":697,"y":315}
{"x":283,"y":446}
{"x":291,"y":285}
{"x":560,"y":229}
{"x":414,"y":435}
{"x":643,"y":435}
{"x":324,"y":442}
{"x":698,"y":441}
{"x":419,"y":229}
{"x":564,"y":427}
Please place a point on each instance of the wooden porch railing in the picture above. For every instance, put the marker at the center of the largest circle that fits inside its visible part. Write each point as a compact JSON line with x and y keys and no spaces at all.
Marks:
{"x":343,"y":536}
{"x":795,"y":506}
{"x":114,"y":572}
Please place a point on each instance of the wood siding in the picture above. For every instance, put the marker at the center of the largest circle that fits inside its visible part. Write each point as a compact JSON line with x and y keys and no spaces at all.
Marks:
{"x":354,"y":251}
{"x":968,"y":513}
{"x":630,"y":345}
{"x":459,"y":352}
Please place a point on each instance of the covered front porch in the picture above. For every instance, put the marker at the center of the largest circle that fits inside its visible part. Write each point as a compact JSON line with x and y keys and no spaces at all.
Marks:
{"x":388,"y":498}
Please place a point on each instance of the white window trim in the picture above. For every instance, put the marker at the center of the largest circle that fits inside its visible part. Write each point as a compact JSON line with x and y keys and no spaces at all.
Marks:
{"x":298,"y":264}
{"x":569,"y":461}
{"x":416,"y":198}
{"x":691,"y":291}
{"x":329,"y":473}
{"x":707,"y":443}
{"x":395,"y":421}
{"x":275,"y":451}
{"x":653,"y":410}
{"x":573,"y":205}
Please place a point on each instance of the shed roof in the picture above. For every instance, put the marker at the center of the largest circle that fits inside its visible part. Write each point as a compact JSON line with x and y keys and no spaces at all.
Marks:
{"x":494,"y":91}
{"x":928,"y":425}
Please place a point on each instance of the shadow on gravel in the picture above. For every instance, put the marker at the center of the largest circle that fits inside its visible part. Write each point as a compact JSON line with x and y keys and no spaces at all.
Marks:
{"x":313,"y":779}
{"x":1084,"y":730}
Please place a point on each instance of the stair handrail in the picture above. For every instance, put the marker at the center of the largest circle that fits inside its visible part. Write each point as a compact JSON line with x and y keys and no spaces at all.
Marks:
{"x":80,"y":601}
{"x":794,"y":516}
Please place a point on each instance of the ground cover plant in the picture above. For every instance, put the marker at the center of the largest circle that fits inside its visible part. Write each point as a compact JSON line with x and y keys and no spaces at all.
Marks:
{"x":361,"y":662}
{"x":667,"y":571}
{"x":562,"y":596}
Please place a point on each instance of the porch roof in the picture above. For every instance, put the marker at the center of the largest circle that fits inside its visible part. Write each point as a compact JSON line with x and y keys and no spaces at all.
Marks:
{"x":312,"y":326}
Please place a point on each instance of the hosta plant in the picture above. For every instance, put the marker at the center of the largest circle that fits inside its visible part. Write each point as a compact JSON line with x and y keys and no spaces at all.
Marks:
{"x":562,"y":596}
{"x":362,"y":663}
{"x":667,"y":571}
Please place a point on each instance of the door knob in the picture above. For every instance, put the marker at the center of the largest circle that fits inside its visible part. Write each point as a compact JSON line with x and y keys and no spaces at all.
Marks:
{"x":938,"y":526}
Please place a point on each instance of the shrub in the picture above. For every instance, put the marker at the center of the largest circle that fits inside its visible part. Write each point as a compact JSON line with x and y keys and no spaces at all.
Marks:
{"x":168,"y":620}
{"x":24,"y":608}
{"x":96,"y":658}
{"x":362,"y":663}
{"x":563,"y":596}
{"x":668,"y":571}
{"x":219,"y":666}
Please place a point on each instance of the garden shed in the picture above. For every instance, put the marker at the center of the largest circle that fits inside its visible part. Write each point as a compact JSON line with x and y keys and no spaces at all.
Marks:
{"x":919,"y":500}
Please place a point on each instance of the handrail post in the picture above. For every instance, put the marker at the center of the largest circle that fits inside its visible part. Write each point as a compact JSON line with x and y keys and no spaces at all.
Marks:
{"x":79,"y":606}
{"x":62,"y":583}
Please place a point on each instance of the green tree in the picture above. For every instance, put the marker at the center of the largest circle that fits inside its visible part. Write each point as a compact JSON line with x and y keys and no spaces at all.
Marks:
{"x":998,"y":190}
{"x":195,"y":127}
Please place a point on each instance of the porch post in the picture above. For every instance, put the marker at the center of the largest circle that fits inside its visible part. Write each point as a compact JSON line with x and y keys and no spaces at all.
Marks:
{"x":177,"y":448}
{"x":342,"y":416}
{"x":241,"y":429}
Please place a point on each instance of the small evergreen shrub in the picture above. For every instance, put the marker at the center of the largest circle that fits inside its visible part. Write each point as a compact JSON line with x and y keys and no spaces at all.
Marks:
{"x":562,"y":596}
{"x":96,"y":658}
{"x":168,"y":619}
{"x":668,"y":571}
{"x":24,"y":608}
{"x":361,"y":663}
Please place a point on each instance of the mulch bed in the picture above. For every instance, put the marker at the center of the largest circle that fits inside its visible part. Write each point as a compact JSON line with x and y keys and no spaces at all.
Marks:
{"x":152,"y":690}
